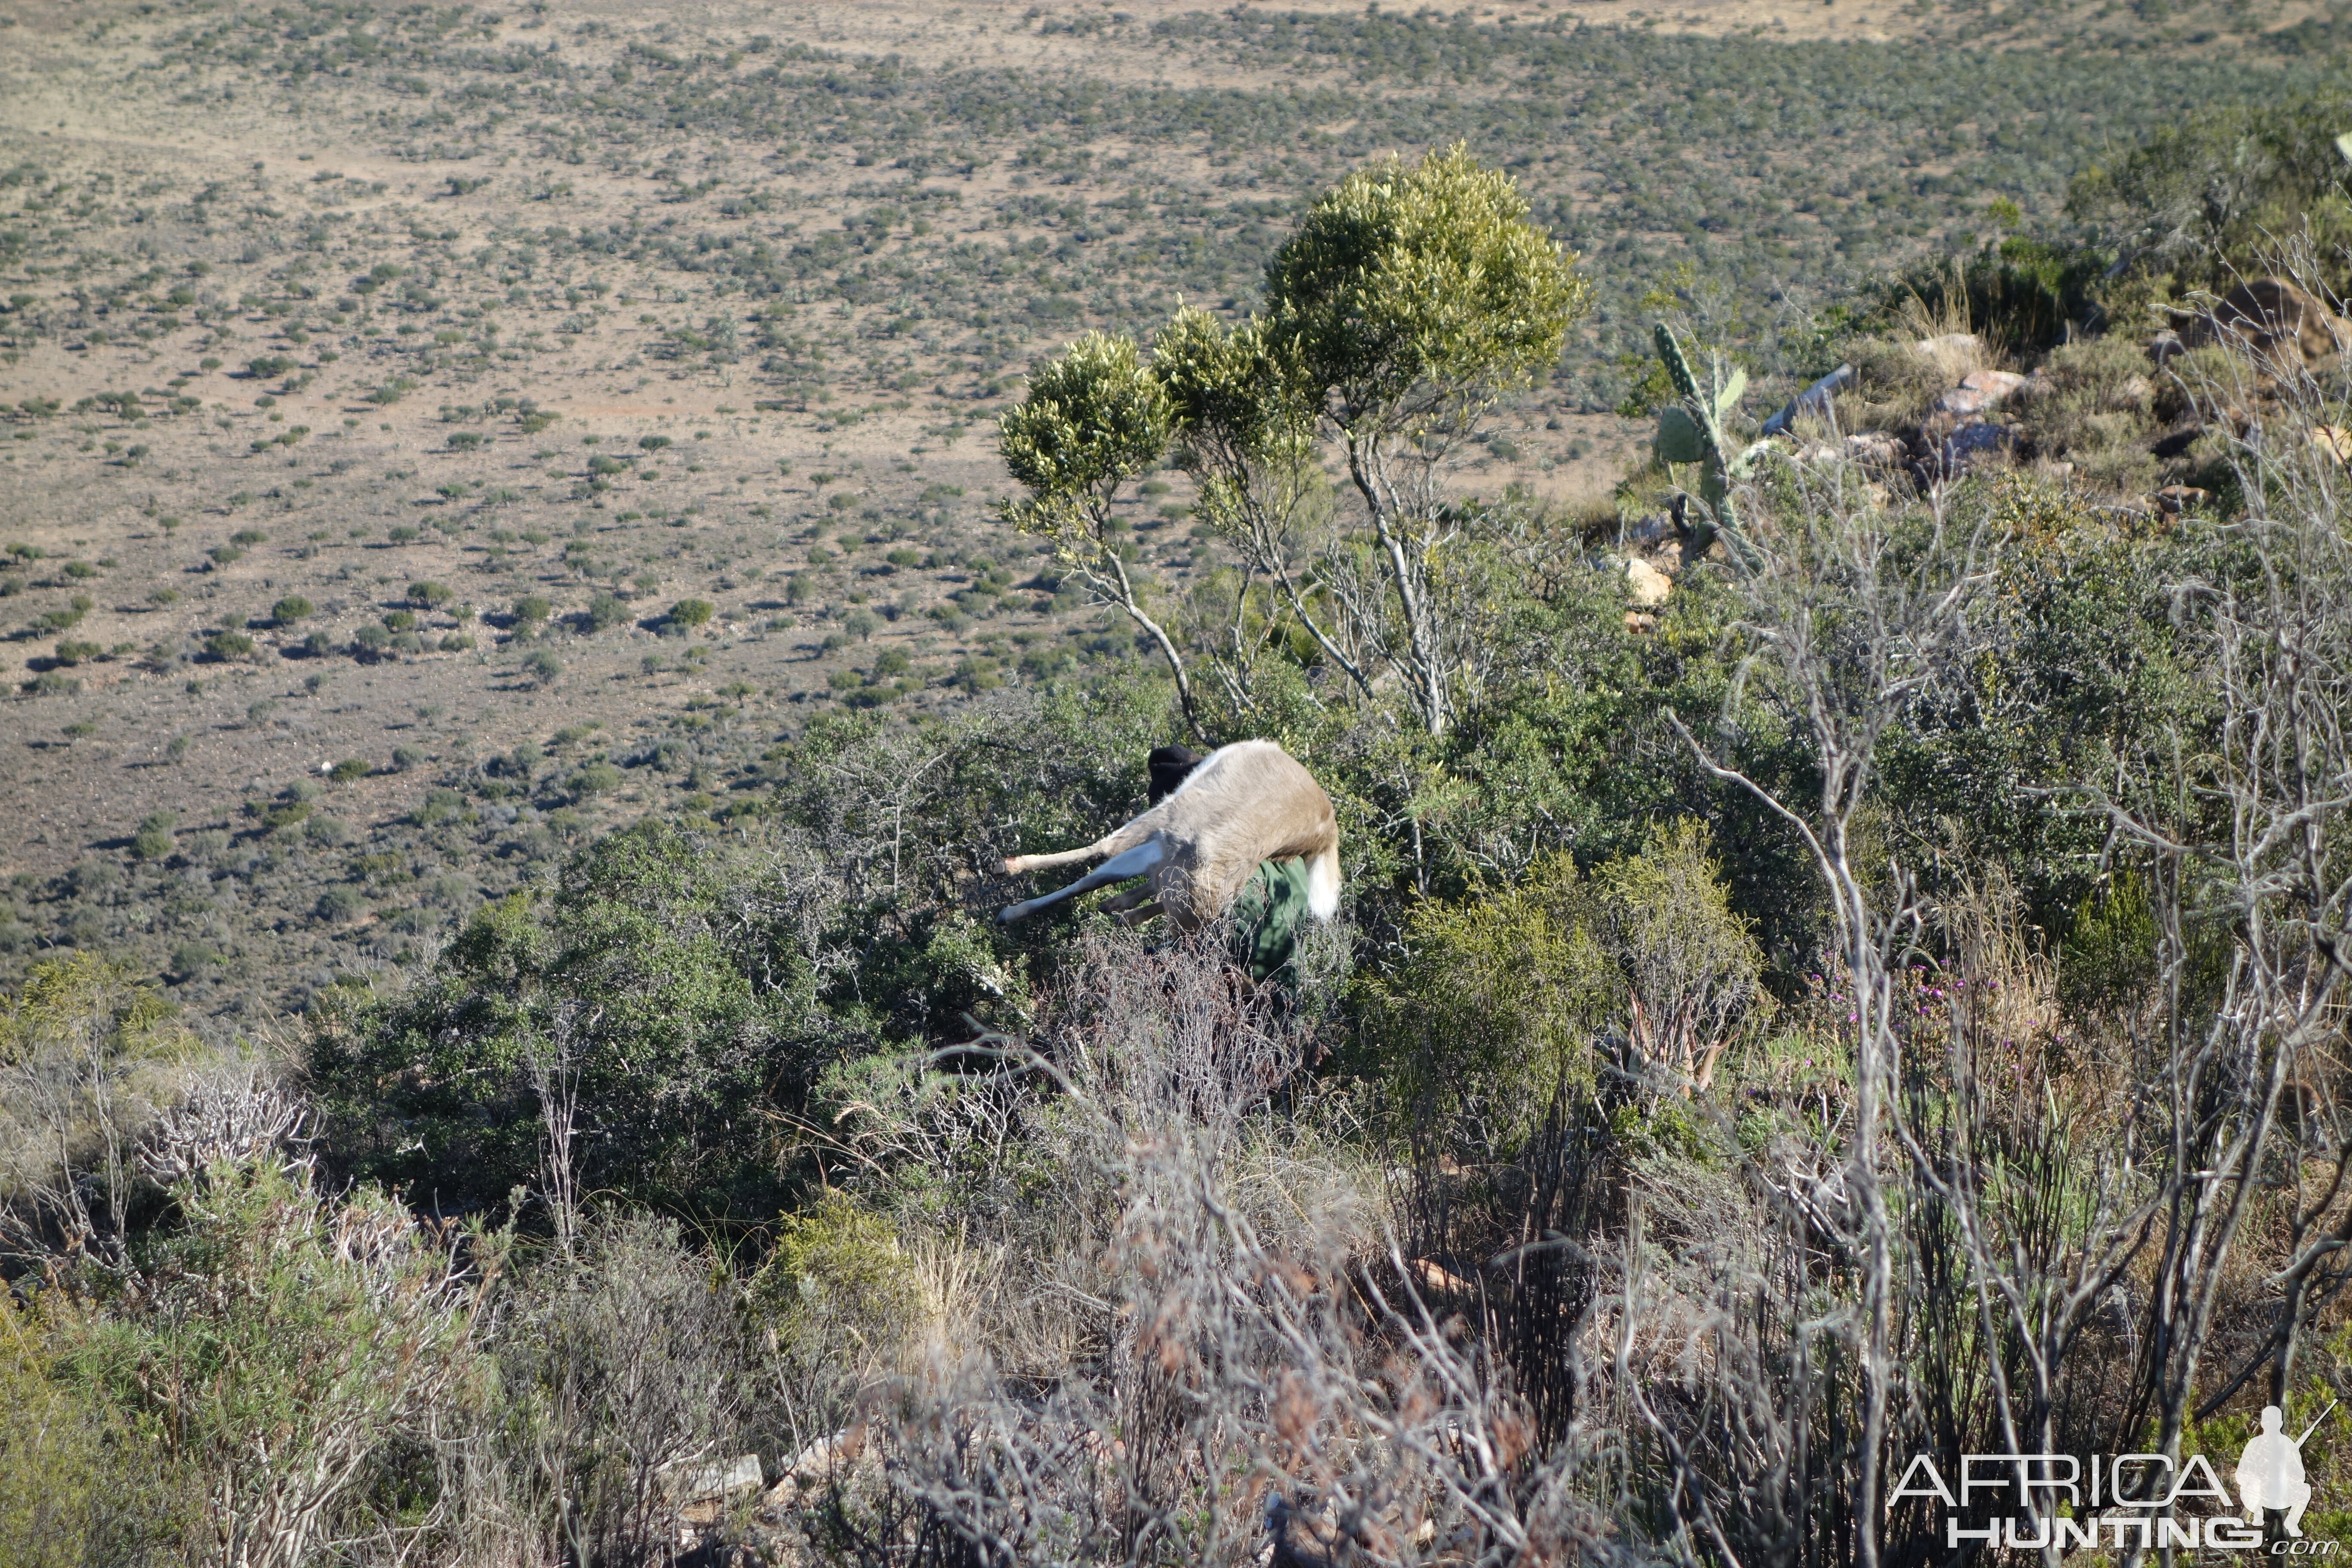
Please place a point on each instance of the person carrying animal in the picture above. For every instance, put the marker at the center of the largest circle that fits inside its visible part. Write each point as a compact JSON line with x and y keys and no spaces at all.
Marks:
{"x":1244,"y":828}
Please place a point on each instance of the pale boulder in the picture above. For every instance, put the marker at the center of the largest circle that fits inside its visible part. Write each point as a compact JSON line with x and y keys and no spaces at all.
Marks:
{"x":1645,"y":584}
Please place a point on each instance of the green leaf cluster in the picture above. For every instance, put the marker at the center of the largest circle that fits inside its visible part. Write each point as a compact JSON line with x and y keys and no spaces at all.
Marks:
{"x":1411,"y":290}
{"x":1095,"y":418}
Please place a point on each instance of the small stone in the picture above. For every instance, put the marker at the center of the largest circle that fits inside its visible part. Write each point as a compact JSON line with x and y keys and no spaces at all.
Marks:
{"x":1878,"y":451}
{"x":1996,"y":384}
{"x":1644,"y":584}
{"x":1639,"y":623}
{"x":1968,"y":447}
{"x":738,"y":1474}
{"x":1979,"y":392}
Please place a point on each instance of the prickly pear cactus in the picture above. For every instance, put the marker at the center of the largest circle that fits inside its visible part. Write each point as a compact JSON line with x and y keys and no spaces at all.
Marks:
{"x":1691,"y":431}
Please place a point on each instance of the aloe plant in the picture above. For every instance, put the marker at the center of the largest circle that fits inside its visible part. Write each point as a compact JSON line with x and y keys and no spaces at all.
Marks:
{"x":1691,"y":431}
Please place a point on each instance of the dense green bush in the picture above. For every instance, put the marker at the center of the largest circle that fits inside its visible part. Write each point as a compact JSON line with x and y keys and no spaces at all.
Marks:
{"x":2026,"y":295}
{"x":2204,"y":197}
{"x":76,"y":1486}
{"x":666,"y":981}
{"x":1494,"y":1015}
{"x":2084,"y":674}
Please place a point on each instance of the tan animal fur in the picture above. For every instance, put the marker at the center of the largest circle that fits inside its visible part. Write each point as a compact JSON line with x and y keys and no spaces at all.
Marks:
{"x":1244,"y":803}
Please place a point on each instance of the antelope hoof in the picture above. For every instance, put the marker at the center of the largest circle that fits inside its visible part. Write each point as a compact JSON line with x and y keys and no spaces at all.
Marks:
{"x":1008,"y":914}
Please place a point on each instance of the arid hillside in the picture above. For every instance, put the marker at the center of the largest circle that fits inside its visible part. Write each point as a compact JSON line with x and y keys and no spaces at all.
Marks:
{"x":433,"y":433}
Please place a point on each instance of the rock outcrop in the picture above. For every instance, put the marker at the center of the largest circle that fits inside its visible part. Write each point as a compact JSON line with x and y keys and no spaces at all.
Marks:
{"x":2276,"y":320}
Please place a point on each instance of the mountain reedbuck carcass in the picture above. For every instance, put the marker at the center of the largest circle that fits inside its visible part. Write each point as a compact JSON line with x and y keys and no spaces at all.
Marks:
{"x":1245,"y":804}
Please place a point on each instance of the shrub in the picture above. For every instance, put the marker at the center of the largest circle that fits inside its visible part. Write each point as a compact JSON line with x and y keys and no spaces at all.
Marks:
{"x":1495,"y":1009}
{"x":1694,"y":965}
{"x":71,"y":651}
{"x":632,"y":1359}
{"x":838,"y":1295}
{"x":329,"y":1332}
{"x":229,"y":646}
{"x":337,"y":905}
{"x":2026,"y":295}
{"x":683,"y":1020}
{"x":594,"y":778}
{"x":283,"y":813}
{"x":405,"y":757}
{"x":606,"y":610}
{"x":429,"y":595}
{"x":692,"y":612}
{"x":292,"y":607}
{"x":349,"y":769}
{"x":73,"y":1486}
{"x":542,"y":668}
{"x":531,"y":610}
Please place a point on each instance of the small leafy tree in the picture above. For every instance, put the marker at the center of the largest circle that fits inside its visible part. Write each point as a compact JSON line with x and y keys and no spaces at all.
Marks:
{"x":1094,"y":419}
{"x":1247,"y":424}
{"x":1413,"y":299}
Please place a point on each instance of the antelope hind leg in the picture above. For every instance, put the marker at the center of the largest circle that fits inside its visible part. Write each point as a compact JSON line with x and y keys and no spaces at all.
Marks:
{"x":1020,"y":863}
{"x":1131,"y":918}
{"x":1135,"y":862}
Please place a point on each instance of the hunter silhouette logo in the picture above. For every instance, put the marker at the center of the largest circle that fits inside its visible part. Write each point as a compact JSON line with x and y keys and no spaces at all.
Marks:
{"x":2270,"y":1472}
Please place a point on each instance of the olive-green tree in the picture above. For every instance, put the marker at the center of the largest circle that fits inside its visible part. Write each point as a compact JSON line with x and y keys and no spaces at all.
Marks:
{"x":1246,"y":433}
{"x":1413,"y":299}
{"x":1095,"y":418}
